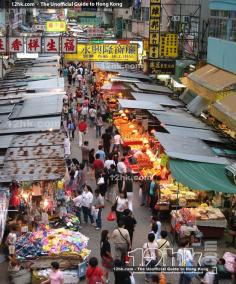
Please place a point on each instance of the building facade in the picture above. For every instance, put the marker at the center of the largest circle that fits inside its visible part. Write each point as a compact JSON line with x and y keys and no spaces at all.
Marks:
{"x":222,"y":35}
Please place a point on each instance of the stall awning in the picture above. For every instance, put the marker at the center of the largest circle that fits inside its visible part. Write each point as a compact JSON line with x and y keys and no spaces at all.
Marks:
{"x":209,"y":80}
{"x":133,"y":104}
{"x":225,"y":111}
{"x":125,"y":79}
{"x":198,"y":105}
{"x":201,"y":176}
{"x":154,"y":88}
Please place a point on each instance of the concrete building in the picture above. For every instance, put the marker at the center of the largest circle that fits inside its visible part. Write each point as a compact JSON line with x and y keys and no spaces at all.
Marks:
{"x":188,"y":18}
{"x":222,"y":39}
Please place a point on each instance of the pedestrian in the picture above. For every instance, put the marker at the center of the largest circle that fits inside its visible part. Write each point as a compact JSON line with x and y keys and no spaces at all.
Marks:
{"x":69,"y":77}
{"x":120,"y":205}
{"x":163,"y":246}
{"x":92,"y":116}
{"x":99,"y":124}
{"x":67,"y":145}
{"x":85,"y":154}
{"x":112,"y":180}
{"x":87,"y":200}
{"x":155,"y":221}
{"x":74,"y":75}
{"x":184,"y":258}
{"x":79,"y":78}
{"x":106,"y":138}
{"x":106,"y":256}
{"x":91,"y":158}
{"x":121,"y":239}
{"x":109,"y":162}
{"x":154,"y":192}
{"x":55,"y":276}
{"x":81,"y":177}
{"x":82,"y":128}
{"x":78,"y":204}
{"x":121,"y":170}
{"x":117,"y":140}
{"x":94,"y":273}
{"x":150,"y":254}
{"x":101,"y":153}
{"x":128,"y":188}
{"x":71,"y":129}
{"x":155,"y":279}
{"x":11,"y":241}
{"x":84,"y":112}
{"x":115,"y":154}
{"x":122,"y":276}
{"x":98,"y":166}
{"x":144,"y":187}
{"x":129,"y":222}
{"x":98,"y":203}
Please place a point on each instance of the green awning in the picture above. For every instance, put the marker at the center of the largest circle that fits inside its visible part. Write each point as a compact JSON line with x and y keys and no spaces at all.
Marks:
{"x":201,"y":176}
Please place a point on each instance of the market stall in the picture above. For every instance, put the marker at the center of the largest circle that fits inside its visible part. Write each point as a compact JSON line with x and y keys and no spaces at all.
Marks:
{"x":204,"y":220}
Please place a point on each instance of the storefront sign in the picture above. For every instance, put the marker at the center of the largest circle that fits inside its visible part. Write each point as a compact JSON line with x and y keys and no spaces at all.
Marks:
{"x":56,"y":26}
{"x":69,"y":45}
{"x":95,"y":21}
{"x":164,"y":67}
{"x":105,"y":52}
{"x":16,"y":44}
{"x":169,"y":45}
{"x":51,"y":45}
{"x":154,"y":29}
{"x":95,"y":32}
{"x":33,"y":44}
{"x":3,"y":44}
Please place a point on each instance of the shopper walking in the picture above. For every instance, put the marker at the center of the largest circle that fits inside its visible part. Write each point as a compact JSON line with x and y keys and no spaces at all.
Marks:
{"x":99,"y":124}
{"x":106,"y":138}
{"x":78,"y":204}
{"x":82,"y":128}
{"x":150,"y":253}
{"x":121,"y":239}
{"x":85,"y":154}
{"x":94,"y":273}
{"x":128,"y":188}
{"x":106,"y":256}
{"x":87,"y":200}
{"x":129,"y":222}
{"x":120,"y":205}
{"x":98,"y":203}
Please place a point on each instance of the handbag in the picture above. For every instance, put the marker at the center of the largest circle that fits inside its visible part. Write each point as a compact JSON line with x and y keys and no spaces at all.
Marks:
{"x":111,"y":216}
{"x":107,"y":262}
{"x":100,"y":181}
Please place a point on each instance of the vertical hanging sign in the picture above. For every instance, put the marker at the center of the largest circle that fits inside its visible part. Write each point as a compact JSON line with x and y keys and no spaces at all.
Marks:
{"x":154,"y":31}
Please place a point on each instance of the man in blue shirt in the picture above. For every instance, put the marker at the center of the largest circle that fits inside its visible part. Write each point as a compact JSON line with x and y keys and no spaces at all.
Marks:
{"x":101,"y":153}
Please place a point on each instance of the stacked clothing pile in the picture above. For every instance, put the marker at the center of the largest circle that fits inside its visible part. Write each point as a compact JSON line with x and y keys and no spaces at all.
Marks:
{"x":52,"y":242}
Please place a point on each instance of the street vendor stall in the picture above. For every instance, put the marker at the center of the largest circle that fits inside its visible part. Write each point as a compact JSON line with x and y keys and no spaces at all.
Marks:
{"x":206,"y":219}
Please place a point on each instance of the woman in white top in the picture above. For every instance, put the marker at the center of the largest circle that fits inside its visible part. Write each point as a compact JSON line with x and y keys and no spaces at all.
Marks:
{"x":121,"y":205}
{"x":150,"y":253}
{"x":87,"y":200}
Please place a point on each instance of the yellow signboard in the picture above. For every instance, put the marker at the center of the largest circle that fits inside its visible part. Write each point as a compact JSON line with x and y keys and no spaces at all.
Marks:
{"x":169,"y":45}
{"x":105,"y":52}
{"x":56,"y":26}
{"x":155,"y":11}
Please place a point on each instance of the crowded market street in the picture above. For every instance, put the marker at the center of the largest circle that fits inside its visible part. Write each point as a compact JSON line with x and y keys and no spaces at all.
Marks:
{"x":118,"y":142}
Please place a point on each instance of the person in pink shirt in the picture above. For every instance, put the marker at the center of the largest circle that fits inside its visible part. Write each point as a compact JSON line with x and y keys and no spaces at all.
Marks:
{"x":55,"y":276}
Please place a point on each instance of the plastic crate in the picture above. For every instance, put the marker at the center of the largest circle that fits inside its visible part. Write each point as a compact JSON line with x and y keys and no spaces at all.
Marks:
{"x":82,"y":267}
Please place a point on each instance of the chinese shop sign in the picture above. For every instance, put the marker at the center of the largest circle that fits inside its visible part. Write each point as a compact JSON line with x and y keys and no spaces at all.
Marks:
{"x":105,"y":52}
{"x":34,"y":44}
{"x":56,"y":26}
{"x":162,"y":66}
{"x":169,"y":45}
{"x":154,"y":28}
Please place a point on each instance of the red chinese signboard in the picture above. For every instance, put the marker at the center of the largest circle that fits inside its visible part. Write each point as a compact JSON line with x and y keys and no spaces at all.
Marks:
{"x":3,"y":45}
{"x":33,"y":44}
{"x":69,"y":45}
{"x":51,"y":45}
{"x":16,"y":44}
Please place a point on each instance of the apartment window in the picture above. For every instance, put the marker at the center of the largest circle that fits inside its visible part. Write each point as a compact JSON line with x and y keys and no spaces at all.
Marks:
{"x":223,"y":25}
{"x":145,"y":14}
